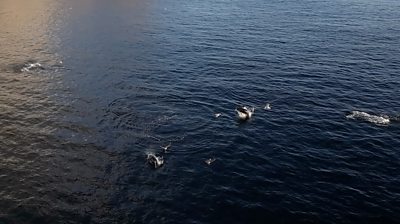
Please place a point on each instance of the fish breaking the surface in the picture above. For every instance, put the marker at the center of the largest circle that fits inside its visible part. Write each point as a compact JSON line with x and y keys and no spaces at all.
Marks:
{"x":359,"y":115}
{"x":165,"y":148}
{"x":156,"y":161}
{"x":267,"y":106}
{"x":31,"y":66}
{"x":244,"y":113}
{"x":209,"y":161}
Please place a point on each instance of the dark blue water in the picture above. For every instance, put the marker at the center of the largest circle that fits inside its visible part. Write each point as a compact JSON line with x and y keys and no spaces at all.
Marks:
{"x":115,"y":80}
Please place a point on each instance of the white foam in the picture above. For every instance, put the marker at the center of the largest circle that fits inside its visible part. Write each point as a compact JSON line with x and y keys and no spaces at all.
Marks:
{"x":28,"y":67}
{"x":359,"y":115}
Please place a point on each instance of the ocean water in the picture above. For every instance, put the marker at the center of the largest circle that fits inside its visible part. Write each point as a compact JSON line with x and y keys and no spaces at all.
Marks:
{"x":89,"y":88}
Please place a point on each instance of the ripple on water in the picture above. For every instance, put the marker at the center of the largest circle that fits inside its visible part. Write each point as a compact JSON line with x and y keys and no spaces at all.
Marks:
{"x":155,"y":120}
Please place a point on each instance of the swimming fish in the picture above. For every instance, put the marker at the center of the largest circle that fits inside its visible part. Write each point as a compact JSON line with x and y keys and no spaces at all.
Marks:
{"x":244,"y":113}
{"x":156,"y":161}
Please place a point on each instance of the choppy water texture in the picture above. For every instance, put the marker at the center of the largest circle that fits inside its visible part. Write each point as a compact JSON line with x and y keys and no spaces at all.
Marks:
{"x":89,"y":88}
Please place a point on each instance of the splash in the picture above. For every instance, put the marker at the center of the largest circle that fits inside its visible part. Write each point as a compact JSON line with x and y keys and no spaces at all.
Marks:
{"x":31,"y":66}
{"x":359,"y":115}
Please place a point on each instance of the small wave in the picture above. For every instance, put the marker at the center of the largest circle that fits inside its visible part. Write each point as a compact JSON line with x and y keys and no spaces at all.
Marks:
{"x":359,"y":115}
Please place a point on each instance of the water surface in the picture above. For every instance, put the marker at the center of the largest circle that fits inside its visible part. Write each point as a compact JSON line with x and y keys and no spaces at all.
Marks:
{"x":117,"y":80}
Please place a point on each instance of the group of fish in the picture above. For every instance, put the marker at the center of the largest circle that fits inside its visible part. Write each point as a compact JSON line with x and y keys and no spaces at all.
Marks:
{"x":157,"y":160}
{"x":243,"y":113}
